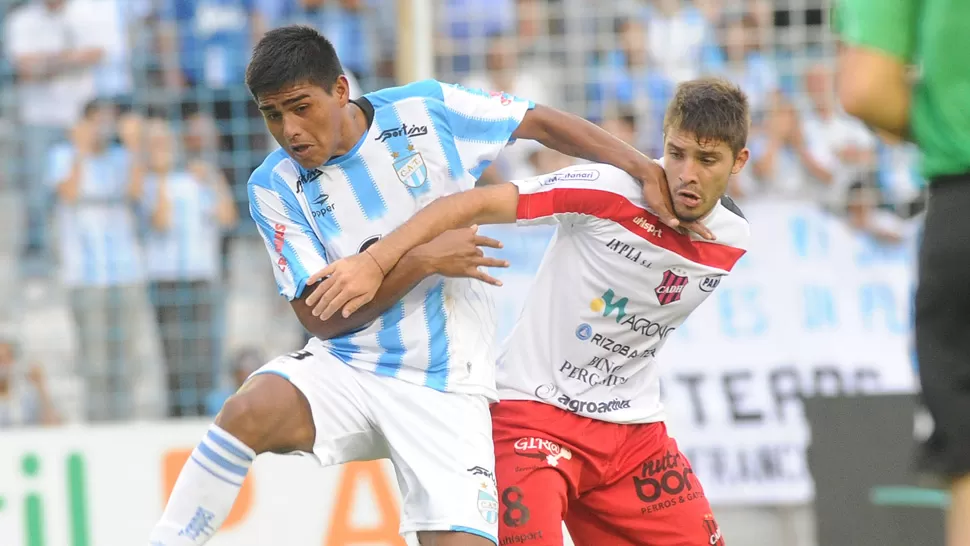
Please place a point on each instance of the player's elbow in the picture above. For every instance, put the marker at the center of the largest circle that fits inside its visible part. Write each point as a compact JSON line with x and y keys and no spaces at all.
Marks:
{"x":856,"y":95}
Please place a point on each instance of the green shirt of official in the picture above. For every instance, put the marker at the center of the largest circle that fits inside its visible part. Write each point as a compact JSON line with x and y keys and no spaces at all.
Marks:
{"x":935,"y":36}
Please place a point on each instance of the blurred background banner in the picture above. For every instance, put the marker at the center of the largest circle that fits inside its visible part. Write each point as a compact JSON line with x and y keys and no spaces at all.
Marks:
{"x":134,"y":291}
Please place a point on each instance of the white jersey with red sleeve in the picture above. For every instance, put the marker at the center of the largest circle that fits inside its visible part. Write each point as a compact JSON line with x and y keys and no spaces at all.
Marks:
{"x":613,"y":286}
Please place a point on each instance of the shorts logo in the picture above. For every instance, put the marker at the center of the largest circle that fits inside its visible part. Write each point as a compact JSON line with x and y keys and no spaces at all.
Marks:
{"x":665,"y":482}
{"x":671,"y":287}
{"x":411,"y":169}
{"x":539,"y":448}
{"x":584,"y":331}
{"x":714,"y":530}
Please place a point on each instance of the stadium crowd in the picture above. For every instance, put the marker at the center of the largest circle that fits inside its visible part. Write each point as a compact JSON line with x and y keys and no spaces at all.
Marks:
{"x":127,"y":138}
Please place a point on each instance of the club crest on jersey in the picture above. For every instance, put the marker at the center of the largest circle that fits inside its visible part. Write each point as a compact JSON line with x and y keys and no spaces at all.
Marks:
{"x":671,"y":286}
{"x":411,"y":170}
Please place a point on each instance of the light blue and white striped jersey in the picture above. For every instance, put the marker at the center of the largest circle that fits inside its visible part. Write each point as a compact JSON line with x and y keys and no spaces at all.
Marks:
{"x":189,"y":249}
{"x":427,"y":139}
{"x":97,"y":235}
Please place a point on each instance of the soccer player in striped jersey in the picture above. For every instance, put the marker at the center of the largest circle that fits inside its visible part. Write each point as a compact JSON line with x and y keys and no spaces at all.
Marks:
{"x":410,"y":375}
{"x":579,"y":434}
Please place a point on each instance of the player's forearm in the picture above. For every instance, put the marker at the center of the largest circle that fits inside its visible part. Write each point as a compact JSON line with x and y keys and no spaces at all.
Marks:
{"x":576,"y":137}
{"x":489,"y":205}
{"x":410,"y":270}
{"x":875,"y":88}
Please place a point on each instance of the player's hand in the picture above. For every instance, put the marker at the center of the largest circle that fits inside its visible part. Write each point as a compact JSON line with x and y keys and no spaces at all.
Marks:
{"x":349,"y":283}
{"x":656,"y":192}
{"x":458,"y":253}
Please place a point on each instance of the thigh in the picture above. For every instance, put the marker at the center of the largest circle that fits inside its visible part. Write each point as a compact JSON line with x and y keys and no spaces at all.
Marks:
{"x":532,"y":498}
{"x":441,"y":447}
{"x":659,"y":502}
{"x":344,"y":430}
{"x":942,"y":313}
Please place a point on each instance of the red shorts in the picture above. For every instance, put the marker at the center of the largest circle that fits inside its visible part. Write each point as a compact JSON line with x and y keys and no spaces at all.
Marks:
{"x":613,"y":485}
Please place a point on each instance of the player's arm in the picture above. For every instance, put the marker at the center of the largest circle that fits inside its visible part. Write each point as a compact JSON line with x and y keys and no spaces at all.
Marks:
{"x":477,"y":117}
{"x":874,"y":65}
{"x":297,"y":254}
{"x":351,"y":282}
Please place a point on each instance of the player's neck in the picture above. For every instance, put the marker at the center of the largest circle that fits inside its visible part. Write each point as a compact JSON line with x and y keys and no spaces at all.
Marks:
{"x":353,"y":125}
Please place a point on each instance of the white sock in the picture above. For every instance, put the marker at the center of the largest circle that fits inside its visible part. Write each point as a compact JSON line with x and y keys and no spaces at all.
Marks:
{"x":205,"y":490}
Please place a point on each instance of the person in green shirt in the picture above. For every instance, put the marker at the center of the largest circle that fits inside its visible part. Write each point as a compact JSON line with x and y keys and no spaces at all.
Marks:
{"x":905,"y":69}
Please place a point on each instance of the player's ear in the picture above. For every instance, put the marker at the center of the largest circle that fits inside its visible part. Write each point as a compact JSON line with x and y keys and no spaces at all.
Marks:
{"x":341,"y":90}
{"x":740,"y":160}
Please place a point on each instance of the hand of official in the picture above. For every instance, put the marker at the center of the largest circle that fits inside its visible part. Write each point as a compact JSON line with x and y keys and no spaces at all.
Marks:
{"x":656,"y":192}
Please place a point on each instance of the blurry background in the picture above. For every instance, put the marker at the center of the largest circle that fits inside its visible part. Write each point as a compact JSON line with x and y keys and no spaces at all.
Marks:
{"x":135,"y":292}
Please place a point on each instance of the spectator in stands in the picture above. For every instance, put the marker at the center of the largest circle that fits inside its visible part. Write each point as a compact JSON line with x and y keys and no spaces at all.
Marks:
{"x":54,"y":46}
{"x":841,"y":149}
{"x":243,"y":364}
{"x":744,"y":61}
{"x":897,"y":175}
{"x":778,"y":154}
{"x":352,"y":26}
{"x":865,"y":215}
{"x":207,"y":42}
{"x":504,"y":72}
{"x":679,"y":36}
{"x":95,"y":183}
{"x":622,"y":123}
{"x":627,"y":77}
{"x":120,"y":25}
{"x":186,"y":210}
{"x":463,"y":29}
{"x":24,"y":397}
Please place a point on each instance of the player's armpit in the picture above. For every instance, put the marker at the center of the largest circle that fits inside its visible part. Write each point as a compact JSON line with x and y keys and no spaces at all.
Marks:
{"x":495,"y":204}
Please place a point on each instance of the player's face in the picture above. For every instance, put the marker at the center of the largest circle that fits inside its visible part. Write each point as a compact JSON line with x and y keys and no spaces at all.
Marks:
{"x":698,"y":172}
{"x":306,"y":121}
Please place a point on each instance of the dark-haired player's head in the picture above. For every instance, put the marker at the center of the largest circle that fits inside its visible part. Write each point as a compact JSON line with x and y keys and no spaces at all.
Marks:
{"x":300,"y":87}
{"x":705,"y":133}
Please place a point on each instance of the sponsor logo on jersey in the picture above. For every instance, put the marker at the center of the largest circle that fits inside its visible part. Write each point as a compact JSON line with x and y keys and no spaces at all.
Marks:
{"x":584,"y":331}
{"x":322,"y":208}
{"x":540,"y":448}
{"x":404,"y":130}
{"x":582,"y":406}
{"x":545,"y":392}
{"x":502,"y":96}
{"x":598,"y":371}
{"x":576,"y":174}
{"x":609,"y":303}
{"x":709,"y":283}
{"x":629,"y":252}
{"x":279,"y":241}
{"x":671,"y":287}
{"x":306,"y":178}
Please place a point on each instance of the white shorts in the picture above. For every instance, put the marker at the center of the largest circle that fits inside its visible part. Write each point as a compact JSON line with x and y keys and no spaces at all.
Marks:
{"x":440,"y":442}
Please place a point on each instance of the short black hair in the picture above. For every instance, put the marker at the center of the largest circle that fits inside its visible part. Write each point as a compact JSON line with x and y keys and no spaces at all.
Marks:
{"x":291,"y":55}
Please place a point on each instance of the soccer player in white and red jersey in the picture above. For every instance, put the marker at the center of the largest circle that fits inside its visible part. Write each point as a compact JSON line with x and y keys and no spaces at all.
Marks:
{"x":579,"y":434}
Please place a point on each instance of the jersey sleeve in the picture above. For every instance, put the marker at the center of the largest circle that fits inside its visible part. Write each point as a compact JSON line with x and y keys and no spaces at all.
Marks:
{"x":294,"y":249}
{"x":473,"y":125}
{"x":886,"y":25}
{"x":574,"y":195}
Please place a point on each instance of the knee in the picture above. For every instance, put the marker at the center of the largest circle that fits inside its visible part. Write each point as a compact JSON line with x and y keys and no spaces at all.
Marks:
{"x":242,"y":416}
{"x":268,"y":416}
